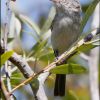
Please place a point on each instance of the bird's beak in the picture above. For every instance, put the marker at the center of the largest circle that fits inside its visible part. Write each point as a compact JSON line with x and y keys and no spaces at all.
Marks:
{"x":55,"y":1}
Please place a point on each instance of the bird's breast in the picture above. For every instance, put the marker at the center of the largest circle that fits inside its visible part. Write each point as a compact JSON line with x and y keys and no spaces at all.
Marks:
{"x":65,"y":32}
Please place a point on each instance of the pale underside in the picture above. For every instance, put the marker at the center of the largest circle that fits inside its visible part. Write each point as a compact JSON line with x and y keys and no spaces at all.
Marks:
{"x":65,"y":32}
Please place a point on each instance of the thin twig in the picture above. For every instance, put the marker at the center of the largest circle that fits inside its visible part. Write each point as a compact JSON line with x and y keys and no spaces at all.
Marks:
{"x":6,"y":33}
{"x":19,"y":62}
{"x":94,"y":61}
{"x":62,"y":57}
{"x":4,"y":91}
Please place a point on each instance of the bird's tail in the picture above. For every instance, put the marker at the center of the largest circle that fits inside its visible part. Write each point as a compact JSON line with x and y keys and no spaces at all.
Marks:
{"x":60,"y":82}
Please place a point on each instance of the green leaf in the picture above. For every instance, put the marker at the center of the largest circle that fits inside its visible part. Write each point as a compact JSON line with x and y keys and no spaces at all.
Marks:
{"x":31,"y":34}
{"x":47,"y":56}
{"x":49,"y":20}
{"x":16,"y":78}
{"x":71,"y":95}
{"x":88,"y":14}
{"x":5,"y":57}
{"x":86,"y":47}
{"x":35,"y":84}
{"x":37,"y":48}
{"x":40,"y":47}
{"x":77,"y":59}
{"x":69,"y":69}
{"x":30,"y":23}
{"x":95,"y":42}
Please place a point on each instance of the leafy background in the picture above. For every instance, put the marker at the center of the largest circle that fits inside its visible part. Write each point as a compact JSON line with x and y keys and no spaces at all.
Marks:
{"x":30,"y":37}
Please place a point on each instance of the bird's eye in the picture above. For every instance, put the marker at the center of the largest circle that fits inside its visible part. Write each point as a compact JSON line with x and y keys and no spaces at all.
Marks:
{"x":78,"y":7}
{"x":55,"y":1}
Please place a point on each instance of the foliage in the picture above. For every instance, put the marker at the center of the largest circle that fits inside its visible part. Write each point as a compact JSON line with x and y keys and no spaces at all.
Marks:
{"x":69,"y":69}
{"x":88,"y":13}
{"x":41,"y":54}
{"x":5,"y":57}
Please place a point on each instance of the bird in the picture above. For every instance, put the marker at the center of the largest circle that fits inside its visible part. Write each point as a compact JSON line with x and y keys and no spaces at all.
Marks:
{"x":65,"y":30}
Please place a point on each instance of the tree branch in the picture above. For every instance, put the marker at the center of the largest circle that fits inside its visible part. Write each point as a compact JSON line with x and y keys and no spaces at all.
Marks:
{"x":20,"y":63}
{"x":94,"y":60}
{"x":27,"y":72}
{"x":4,"y":91}
{"x":23,"y":66}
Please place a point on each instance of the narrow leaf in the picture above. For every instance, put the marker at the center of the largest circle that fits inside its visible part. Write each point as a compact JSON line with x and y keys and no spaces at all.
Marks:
{"x":87,"y":47}
{"x":49,"y":20}
{"x":47,"y":56}
{"x":30,"y":23}
{"x":88,"y":14}
{"x":37,"y":48}
{"x":68,"y":69}
{"x":71,"y":95}
{"x":5,"y":57}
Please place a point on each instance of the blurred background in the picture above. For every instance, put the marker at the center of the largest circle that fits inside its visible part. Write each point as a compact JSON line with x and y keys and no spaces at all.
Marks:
{"x":37,"y":11}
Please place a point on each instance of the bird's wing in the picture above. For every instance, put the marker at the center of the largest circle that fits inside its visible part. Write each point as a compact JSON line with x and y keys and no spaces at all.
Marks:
{"x":53,"y":22}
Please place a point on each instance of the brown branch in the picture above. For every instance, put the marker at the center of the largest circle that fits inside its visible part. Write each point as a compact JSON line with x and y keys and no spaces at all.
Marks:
{"x":19,"y":62}
{"x":4,"y":91}
{"x":65,"y":55}
{"x":23,"y":66}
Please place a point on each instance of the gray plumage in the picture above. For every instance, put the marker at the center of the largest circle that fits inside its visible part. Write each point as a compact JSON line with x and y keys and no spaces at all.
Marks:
{"x":65,"y":31}
{"x":66,"y":24}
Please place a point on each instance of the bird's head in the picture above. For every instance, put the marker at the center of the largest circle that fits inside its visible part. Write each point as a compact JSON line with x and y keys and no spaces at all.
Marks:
{"x":67,"y":5}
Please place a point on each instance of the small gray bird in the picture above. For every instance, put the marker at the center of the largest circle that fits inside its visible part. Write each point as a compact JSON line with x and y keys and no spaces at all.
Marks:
{"x":65,"y":31}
